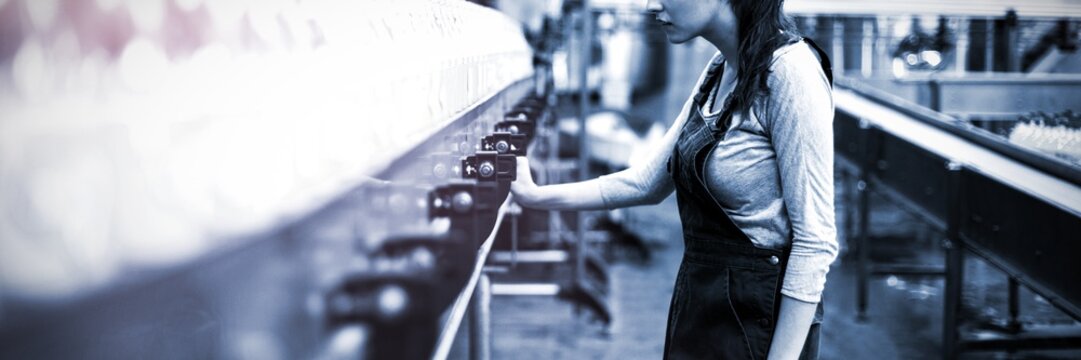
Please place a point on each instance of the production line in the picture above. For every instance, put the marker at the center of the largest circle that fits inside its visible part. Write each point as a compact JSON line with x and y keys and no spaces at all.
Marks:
{"x":347,"y":222}
{"x":961,"y":191}
{"x":935,"y":122}
{"x":312,"y":180}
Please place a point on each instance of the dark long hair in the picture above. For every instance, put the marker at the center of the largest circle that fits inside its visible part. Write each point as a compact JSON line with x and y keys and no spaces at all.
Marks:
{"x":763,"y":28}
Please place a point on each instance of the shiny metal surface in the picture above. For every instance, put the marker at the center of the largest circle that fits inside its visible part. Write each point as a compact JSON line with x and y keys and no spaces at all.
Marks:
{"x":234,"y":195}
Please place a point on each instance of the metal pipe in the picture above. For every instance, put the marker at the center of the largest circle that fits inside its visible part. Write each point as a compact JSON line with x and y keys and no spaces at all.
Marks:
{"x":515,"y":212}
{"x":851,"y":197}
{"x":583,"y":148}
{"x":867,"y":46}
{"x":936,"y":95}
{"x":480,"y":325}
{"x":1013,"y":301}
{"x":838,"y":49}
{"x":1013,"y":42}
{"x":864,"y":210}
{"x":863,"y":251}
{"x":465,"y":298}
{"x":989,"y":46}
{"x":961,"y":49}
{"x":955,"y":265}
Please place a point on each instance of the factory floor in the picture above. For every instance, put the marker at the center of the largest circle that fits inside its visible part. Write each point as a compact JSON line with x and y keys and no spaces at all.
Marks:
{"x":904,"y":315}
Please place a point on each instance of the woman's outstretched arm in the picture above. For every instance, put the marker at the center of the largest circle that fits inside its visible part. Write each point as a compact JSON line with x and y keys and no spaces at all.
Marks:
{"x":583,"y":195}
{"x":645,"y":182}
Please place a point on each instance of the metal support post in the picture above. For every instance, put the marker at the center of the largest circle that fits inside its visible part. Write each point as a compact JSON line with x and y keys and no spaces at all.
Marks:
{"x":863,"y":209}
{"x":961,"y":49}
{"x":1013,"y":42}
{"x":1013,"y":301}
{"x":850,"y":182}
{"x":867,"y":47}
{"x":480,"y":324}
{"x":585,"y":51}
{"x":935,"y":94}
{"x":514,"y":212}
{"x":838,"y":50}
{"x":863,"y":247}
{"x":955,"y":266}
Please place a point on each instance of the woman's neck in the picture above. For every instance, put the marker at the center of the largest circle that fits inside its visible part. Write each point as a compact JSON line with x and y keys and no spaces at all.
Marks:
{"x":724,"y":40}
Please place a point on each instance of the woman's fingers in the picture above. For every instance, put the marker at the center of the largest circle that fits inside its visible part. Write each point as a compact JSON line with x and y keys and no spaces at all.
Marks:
{"x":524,"y":185}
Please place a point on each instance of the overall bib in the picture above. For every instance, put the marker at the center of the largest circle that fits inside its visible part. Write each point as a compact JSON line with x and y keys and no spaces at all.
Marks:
{"x":727,"y":291}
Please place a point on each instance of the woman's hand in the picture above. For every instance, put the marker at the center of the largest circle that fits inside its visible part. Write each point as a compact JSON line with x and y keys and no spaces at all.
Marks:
{"x":523,"y":188}
{"x":582,"y":195}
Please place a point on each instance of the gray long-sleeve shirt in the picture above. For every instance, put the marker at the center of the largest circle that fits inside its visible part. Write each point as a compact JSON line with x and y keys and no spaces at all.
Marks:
{"x":772,"y":172}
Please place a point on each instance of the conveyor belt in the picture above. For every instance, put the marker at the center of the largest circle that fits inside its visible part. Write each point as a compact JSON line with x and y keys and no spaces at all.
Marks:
{"x":1019,"y":210}
{"x":1053,"y":190}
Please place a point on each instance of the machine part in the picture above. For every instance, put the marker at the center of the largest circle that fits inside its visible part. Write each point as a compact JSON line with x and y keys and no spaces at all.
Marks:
{"x":486,"y":169}
{"x":518,"y":125}
{"x":462,"y":202}
{"x":383,"y":299}
{"x":532,"y":112}
{"x":463,"y":198}
{"x":442,"y":259}
{"x":490,"y":166}
{"x":439,"y":166}
{"x":506,"y":143}
{"x":392,"y":301}
{"x":439,"y":171}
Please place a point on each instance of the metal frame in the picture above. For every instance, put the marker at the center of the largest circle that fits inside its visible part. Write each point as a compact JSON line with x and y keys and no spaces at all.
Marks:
{"x":589,"y":272}
{"x":475,"y":297}
{"x":960,"y":219}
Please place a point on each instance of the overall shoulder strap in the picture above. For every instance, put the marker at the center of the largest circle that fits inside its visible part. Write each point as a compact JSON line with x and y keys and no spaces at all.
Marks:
{"x":824,"y":60}
{"x":713,"y":74}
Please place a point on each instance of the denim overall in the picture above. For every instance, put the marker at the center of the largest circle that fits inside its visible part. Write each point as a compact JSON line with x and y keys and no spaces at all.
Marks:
{"x":727,"y":291}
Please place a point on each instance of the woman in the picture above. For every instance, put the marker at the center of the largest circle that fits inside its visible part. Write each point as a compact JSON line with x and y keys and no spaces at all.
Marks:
{"x":753,"y":176}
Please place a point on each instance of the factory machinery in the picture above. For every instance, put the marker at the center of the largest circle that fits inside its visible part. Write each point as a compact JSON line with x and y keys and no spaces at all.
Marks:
{"x":965,"y":124}
{"x":188,"y":179}
{"x":201,"y":179}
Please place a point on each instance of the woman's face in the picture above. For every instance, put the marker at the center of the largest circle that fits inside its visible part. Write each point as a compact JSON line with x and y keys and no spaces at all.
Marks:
{"x":683,"y":20}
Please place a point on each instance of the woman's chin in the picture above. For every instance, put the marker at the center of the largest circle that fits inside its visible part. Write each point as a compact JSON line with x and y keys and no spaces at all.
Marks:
{"x":677,"y":39}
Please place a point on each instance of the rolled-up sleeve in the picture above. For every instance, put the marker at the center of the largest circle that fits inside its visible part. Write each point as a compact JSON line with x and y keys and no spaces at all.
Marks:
{"x":799,"y":112}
